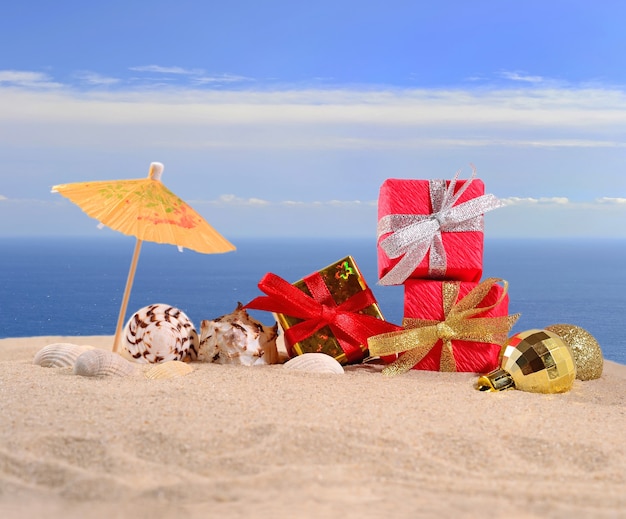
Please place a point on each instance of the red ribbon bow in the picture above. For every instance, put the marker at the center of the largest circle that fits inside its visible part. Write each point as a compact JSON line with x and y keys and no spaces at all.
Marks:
{"x":350,"y":328}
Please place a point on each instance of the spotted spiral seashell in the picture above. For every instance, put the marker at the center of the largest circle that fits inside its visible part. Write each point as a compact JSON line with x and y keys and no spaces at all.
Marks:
{"x":59,"y":355}
{"x":159,"y":333}
{"x":315,"y":363}
{"x":237,"y":338}
{"x":169,"y":369}
{"x":102,"y":363}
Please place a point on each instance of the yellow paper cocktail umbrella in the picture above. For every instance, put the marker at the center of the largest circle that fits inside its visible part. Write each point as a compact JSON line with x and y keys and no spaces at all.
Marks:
{"x":146,"y":209}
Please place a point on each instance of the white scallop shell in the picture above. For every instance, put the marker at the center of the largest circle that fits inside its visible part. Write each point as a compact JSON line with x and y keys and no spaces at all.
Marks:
{"x":102,"y":363}
{"x":237,"y":338}
{"x":159,"y":333}
{"x":59,"y":355}
{"x":169,"y":369}
{"x":315,"y":363}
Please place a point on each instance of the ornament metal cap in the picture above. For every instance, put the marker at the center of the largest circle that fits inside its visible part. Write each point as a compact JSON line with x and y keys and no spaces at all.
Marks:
{"x":496,"y":380}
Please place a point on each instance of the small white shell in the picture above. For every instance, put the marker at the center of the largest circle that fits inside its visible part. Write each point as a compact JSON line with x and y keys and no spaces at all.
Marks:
{"x":102,"y":363}
{"x":169,"y":369}
{"x":159,"y":333}
{"x":315,"y":363}
{"x":237,"y":338}
{"x":59,"y":355}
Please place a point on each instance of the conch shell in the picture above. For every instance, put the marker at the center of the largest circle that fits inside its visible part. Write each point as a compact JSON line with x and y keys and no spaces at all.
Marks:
{"x":159,"y":333}
{"x":59,"y":355}
{"x":237,"y":338}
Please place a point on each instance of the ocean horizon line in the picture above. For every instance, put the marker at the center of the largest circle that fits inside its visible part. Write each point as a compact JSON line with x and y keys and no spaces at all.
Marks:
{"x":115,"y":236}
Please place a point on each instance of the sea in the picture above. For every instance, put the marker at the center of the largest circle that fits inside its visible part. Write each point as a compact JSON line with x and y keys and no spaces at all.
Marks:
{"x":74,"y":286}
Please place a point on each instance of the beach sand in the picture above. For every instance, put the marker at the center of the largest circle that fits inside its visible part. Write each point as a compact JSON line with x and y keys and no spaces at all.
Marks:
{"x":231,"y":441}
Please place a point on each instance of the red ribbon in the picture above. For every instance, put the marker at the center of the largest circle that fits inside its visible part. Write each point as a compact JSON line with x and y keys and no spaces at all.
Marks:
{"x":350,"y":328}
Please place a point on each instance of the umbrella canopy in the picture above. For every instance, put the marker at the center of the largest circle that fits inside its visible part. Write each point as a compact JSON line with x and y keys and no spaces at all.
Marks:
{"x":146,"y":209}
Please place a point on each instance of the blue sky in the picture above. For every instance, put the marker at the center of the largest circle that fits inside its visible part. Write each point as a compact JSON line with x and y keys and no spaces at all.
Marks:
{"x":283,"y":118}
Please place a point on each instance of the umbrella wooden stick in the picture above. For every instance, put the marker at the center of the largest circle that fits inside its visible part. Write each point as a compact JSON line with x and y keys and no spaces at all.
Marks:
{"x":129,"y":285}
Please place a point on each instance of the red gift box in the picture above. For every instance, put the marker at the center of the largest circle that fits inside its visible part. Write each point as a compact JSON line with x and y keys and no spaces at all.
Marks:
{"x":424,"y":233}
{"x":330,"y":311}
{"x":448,"y":326}
{"x":424,"y":300}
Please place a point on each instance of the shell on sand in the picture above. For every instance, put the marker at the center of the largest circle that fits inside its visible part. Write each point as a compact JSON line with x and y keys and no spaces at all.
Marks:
{"x":160,"y":333}
{"x":237,"y":338}
{"x":59,"y":355}
{"x":102,"y":363}
{"x":169,"y":369}
{"x":315,"y":363}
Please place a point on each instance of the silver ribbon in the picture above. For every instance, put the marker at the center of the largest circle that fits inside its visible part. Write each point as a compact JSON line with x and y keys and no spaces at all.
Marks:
{"x":414,"y":235}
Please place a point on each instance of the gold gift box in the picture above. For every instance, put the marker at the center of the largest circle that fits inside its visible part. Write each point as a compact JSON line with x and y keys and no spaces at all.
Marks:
{"x":343,"y":279}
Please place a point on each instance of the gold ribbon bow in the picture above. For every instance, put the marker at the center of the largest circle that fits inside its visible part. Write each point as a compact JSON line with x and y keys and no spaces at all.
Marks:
{"x":459,"y":324}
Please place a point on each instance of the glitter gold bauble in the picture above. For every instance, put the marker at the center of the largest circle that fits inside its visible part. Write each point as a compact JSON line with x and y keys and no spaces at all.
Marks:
{"x":538,"y":361}
{"x":586,"y":350}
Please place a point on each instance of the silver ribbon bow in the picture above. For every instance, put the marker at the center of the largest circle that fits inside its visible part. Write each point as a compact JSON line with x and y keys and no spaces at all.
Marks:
{"x":414,"y":235}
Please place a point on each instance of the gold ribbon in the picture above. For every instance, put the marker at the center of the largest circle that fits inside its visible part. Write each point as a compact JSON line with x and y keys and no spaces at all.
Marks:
{"x":459,"y":324}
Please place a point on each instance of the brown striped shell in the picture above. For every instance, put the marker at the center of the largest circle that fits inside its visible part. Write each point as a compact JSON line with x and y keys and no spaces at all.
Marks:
{"x":160,"y":333}
{"x":237,"y":338}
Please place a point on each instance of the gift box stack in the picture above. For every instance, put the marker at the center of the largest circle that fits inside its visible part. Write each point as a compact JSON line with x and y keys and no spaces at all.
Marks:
{"x":430,"y":239}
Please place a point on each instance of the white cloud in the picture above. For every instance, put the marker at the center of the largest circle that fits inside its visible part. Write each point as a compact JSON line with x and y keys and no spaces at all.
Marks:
{"x":344,"y":203}
{"x":562,"y":143}
{"x":476,"y":77}
{"x":166,"y":70}
{"x":256,"y":201}
{"x":611,"y":200}
{"x":22,"y":77}
{"x":556,"y":200}
{"x":559,"y":200}
{"x":222,"y":78}
{"x":2,"y":197}
{"x":95,"y":79}
{"x":331,"y":203}
{"x":330,"y":142}
{"x":194,"y":119}
{"x":520,"y":76}
{"x":555,"y":109}
{"x":230,"y":199}
{"x":196,"y":77}
{"x":566,"y":204}
{"x":27,"y":79}
{"x":515,"y":200}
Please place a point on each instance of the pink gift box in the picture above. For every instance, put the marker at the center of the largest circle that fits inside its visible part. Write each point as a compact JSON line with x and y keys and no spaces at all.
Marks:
{"x":463,"y":250}
{"x":423,"y":299}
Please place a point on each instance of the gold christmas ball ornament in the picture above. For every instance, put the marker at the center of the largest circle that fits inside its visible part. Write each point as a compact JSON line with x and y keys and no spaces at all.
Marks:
{"x":538,"y":361}
{"x":586,"y":350}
